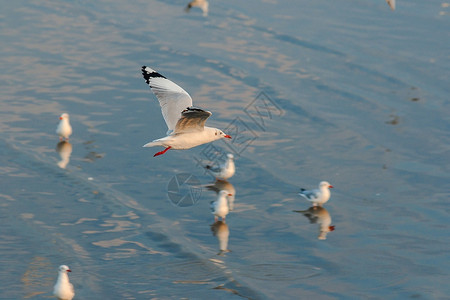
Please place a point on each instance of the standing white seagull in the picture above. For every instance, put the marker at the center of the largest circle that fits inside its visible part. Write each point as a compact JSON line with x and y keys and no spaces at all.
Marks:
{"x":224,"y":171}
{"x":63,"y":289}
{"x":64,"y":130}
{"x":317,"y":196}
{"x":186,"y":123}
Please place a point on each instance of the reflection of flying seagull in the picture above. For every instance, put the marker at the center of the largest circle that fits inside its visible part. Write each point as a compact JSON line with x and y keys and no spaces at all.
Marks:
{"x":186,"y":123}
{"x":391,"y":4}
{"x":203,"y":4}
{"x":64,"y":130}
{"x":224,"y":171}
{"x":63,"y":289}
{"x":317,"y":196}
{"x":319,"y":215}
{"x":219,"y":208}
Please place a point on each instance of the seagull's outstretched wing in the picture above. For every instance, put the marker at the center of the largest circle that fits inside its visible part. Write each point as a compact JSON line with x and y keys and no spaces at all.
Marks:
{"x":172,"y":98}
{"x":192,"y":119}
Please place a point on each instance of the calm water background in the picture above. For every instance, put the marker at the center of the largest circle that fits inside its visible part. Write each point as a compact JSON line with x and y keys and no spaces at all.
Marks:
{"x":358,"y":96}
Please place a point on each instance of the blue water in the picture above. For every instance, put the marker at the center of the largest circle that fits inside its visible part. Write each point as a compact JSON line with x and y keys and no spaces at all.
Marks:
{"x":344,"y":91}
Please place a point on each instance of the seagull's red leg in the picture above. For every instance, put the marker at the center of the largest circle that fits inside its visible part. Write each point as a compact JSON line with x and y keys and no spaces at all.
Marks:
{"x":162,"y":152}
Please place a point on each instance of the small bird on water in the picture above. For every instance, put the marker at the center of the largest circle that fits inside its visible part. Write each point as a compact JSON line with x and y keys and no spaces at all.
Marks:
{"x":224,"y":171}
{"x":63,"y":289}
{"x":64,"y":130}
{"x":317,"y":196}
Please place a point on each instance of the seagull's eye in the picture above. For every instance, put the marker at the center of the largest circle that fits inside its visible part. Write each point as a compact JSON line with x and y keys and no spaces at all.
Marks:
{"x":216,"y":133}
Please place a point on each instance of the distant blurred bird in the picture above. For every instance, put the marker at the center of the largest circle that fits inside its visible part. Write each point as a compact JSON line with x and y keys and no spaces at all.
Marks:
{"x":63,"y":289}
{"x":203,"y":4}
{"x":391,"y":4}
{"x":64,"y":130}
{"x":317,"y":196}
{"x":219,"y":208}
{"x":224,"y":171}
{"x":319,"y":215}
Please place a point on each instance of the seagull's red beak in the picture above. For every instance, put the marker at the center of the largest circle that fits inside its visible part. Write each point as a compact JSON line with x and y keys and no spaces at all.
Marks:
{"x":331,"y":228}
{"x":60,"y":118}
{"x":69,"y":270}
{"x":227,"y":136}
{"x":330,"y":187}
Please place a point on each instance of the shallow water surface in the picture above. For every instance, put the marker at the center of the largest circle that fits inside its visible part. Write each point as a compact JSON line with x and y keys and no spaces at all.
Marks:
{"x":349,"y":92}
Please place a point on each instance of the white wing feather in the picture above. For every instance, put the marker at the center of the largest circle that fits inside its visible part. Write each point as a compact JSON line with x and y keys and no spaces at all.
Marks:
{"x":172,"y":98}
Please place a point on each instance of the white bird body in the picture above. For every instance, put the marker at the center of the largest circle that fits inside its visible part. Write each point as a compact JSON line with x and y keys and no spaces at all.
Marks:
{"x":186,"y":140}
{"x":63,"y":289}
{"x":220,"y":206}
{"x":224,"y":171}
{"x":186,"y":124}
{"x":64,"y":130}
{"x":318,"y":196}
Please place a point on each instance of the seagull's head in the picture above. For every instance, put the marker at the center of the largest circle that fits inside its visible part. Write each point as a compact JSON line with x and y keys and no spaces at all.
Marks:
{"x":220,"y":134}
{"x":64,"y":116}
{"x":64,"y":268}
{"x":325,"y":184}
{"x":230,"y":156}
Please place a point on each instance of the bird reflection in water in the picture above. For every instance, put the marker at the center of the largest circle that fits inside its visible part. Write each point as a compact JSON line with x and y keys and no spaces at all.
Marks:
{"x":221,"y":231}
{"x":226,"y":193}
{"x":64,"y":149}
{"x":319,"y":215}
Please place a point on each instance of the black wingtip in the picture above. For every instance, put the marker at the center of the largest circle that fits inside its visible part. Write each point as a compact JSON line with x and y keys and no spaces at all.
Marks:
{"x":149,"y":74}
{"x":192,"y":108}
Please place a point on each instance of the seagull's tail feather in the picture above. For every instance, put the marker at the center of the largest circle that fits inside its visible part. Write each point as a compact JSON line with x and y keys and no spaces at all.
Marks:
{"x":153,"y":143}
{"x":300,"y":194}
